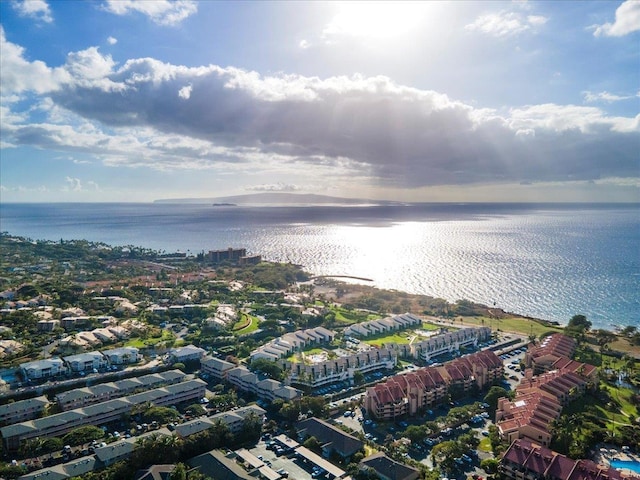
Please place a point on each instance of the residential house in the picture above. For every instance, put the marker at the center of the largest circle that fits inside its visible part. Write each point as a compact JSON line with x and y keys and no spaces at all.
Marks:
{"x":386,"y":468}
{"x":331,"y":438}
{"x":47,"y":368}
{"x":190,"y":353}
{"x":86,"y":362}
{"x":122,"y":356}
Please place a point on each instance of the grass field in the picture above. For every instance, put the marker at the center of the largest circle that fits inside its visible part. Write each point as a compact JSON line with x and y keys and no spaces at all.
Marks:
{"x":513,"y":325}
{"x":151,"y":341}
{"x":351,"y":316}
{"x":251,"y":325}
{"x":378,"y":340}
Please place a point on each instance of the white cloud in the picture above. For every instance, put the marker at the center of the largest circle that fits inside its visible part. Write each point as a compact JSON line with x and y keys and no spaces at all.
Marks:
{"x":591,"y":97}
{"x":112,"y":40}
{"x":73,"y":185}
{"x":36,"y":9}
{"x":20,"y":75}
{"x":237,"y":120}
{"x":185,"y":92}
{"x":274,"y":187}
{"x":627,"y":21}
{"x":504,"y":24}
{"x":162,"y":12}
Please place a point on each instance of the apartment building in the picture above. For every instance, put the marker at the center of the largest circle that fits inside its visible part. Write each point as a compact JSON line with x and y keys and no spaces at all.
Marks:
{"x":83,"y":396}
{"x":332,"y":439}
{"x":383,"y":325}
{"x":233,"y":419}
{"x":528,"y":416}
{"x":292,"y":342}
{"x":449,"y":342}
{"x":50,"y":367}
{"x":341,"y":368}
{"x":86,"y":362}
{"x":409,"y":393}
{"x":552,"y":348}
{"x":189,"y":353}
{"x":269,"y":389}
{"x":526,"y":460}
{"x":216,"y":367}
{"x":387,"y":468}
{"x":122,"y":356}
{"x":22,"y":410}
{"x":99,"y":413}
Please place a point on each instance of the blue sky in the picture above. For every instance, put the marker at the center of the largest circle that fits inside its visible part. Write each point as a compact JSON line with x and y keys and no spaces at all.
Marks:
{"x":437,"y":101}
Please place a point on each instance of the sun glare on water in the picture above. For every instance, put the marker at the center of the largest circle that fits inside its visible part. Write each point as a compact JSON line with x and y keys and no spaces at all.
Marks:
{"x":376,"y":19}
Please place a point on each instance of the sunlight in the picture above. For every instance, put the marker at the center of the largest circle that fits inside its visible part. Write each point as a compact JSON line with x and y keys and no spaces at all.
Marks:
{"x":376,"y":19}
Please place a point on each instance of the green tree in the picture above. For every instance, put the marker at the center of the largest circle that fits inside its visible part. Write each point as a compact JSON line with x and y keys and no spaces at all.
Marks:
{"x":492,"y":396}
{"x":82,"y":435}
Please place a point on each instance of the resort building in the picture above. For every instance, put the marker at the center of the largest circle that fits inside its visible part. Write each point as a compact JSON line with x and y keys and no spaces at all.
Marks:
{"x":383,"y":325}
{"x":340,"y":369}
{"x":407,"y":394}
{"x":122,"y":356}
{"x":552,"y":348}
{"x":50,"y":367}
{"x":526,"y":460}
{"x":233,"y":419}
{"x":86,"y":362}
{"x":81,"y":397}
{"x":528,"y":416}
{"x":449,"y":342}
{"x":244,"y":379}
{"x":100,"y":413}
{"x":22,"y":410}
{"x":292,"y":342}
{"x":215,"y":367}
{"x":190,"y":353}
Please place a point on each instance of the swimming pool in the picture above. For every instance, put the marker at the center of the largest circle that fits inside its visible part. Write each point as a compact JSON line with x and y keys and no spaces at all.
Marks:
{"x":628,"y":464}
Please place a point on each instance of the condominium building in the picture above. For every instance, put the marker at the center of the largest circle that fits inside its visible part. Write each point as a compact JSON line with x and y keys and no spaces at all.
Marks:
{"x":292,"y":342}
{"x":341,"y":368}
{"x":383,"y":325}
{"x":83,"y":396}
{"x":122,"y":356}
{"x":408,"y":393}
{"x":100,"y":413}
{"x":234,"y":420}
{"x":50,"y":367}
{"x":86,"y":362}
{"x":189,"y":353}
{"x":216,"y":367}
{"x":526,"y":460}
{"x":22,"y":410}
{"x":449,"y":342}
{"x":541,"y":357}
{"x":269,"y":389}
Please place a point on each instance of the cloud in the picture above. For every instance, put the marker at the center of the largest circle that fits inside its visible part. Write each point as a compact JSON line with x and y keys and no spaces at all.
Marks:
{"x":185,"y":92}
{"x":36,"y":9}
{"x":112,"y":40}
{"x":504,"y":24}
{"x":73,"y":185}
{"x":591,"y":97}
{"x":354,"y":127}
{"x":627,"y":21}
{"x":274,"y":187}
{"x":162,"y":12}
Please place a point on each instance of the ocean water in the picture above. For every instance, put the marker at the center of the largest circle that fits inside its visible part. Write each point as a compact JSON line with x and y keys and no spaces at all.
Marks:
{"x":542,"y":260}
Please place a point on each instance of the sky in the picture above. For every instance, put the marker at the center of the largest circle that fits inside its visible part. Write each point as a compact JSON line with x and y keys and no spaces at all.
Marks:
{"x":124,"y":100}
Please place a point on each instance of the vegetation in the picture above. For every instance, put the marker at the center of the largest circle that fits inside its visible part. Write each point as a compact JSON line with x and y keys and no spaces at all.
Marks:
{"x":82,"y":435}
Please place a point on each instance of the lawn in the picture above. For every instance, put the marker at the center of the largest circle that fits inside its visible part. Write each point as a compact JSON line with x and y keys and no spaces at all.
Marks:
{"x":378,"y":340}
{"x":351,"y":316}
{"x":151,"y":341}
{"x":485,"y":444}
{"x":251,"y":325}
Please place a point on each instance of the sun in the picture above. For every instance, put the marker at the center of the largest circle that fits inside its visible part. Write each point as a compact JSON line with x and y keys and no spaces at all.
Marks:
{"x":376,"y":19}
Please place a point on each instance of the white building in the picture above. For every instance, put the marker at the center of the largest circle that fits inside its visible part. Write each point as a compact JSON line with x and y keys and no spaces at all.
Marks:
{"x":85,"y":362}
{"x":50,"y":367}
{"x":185,"y":354}
{"x":124,"y":355}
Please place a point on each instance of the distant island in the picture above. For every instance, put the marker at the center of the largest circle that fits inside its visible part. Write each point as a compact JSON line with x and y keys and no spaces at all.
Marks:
{"x":277,"y":198}
{"x":224,"y":205}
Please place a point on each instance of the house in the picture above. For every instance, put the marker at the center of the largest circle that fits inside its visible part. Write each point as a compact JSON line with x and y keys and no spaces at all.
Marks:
{"x":331,"y":438}
{"x":123,"y":355}
{"x":190,"y":353}
{"x":50,"y":367}
{"x":155,"y":472}
{"x":47,"y":325}
{"x":86,"y":362}
{"x":388,"y":469}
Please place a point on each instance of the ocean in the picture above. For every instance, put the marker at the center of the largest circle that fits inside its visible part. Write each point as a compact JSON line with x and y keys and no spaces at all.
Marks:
{"x":548,"y":261}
